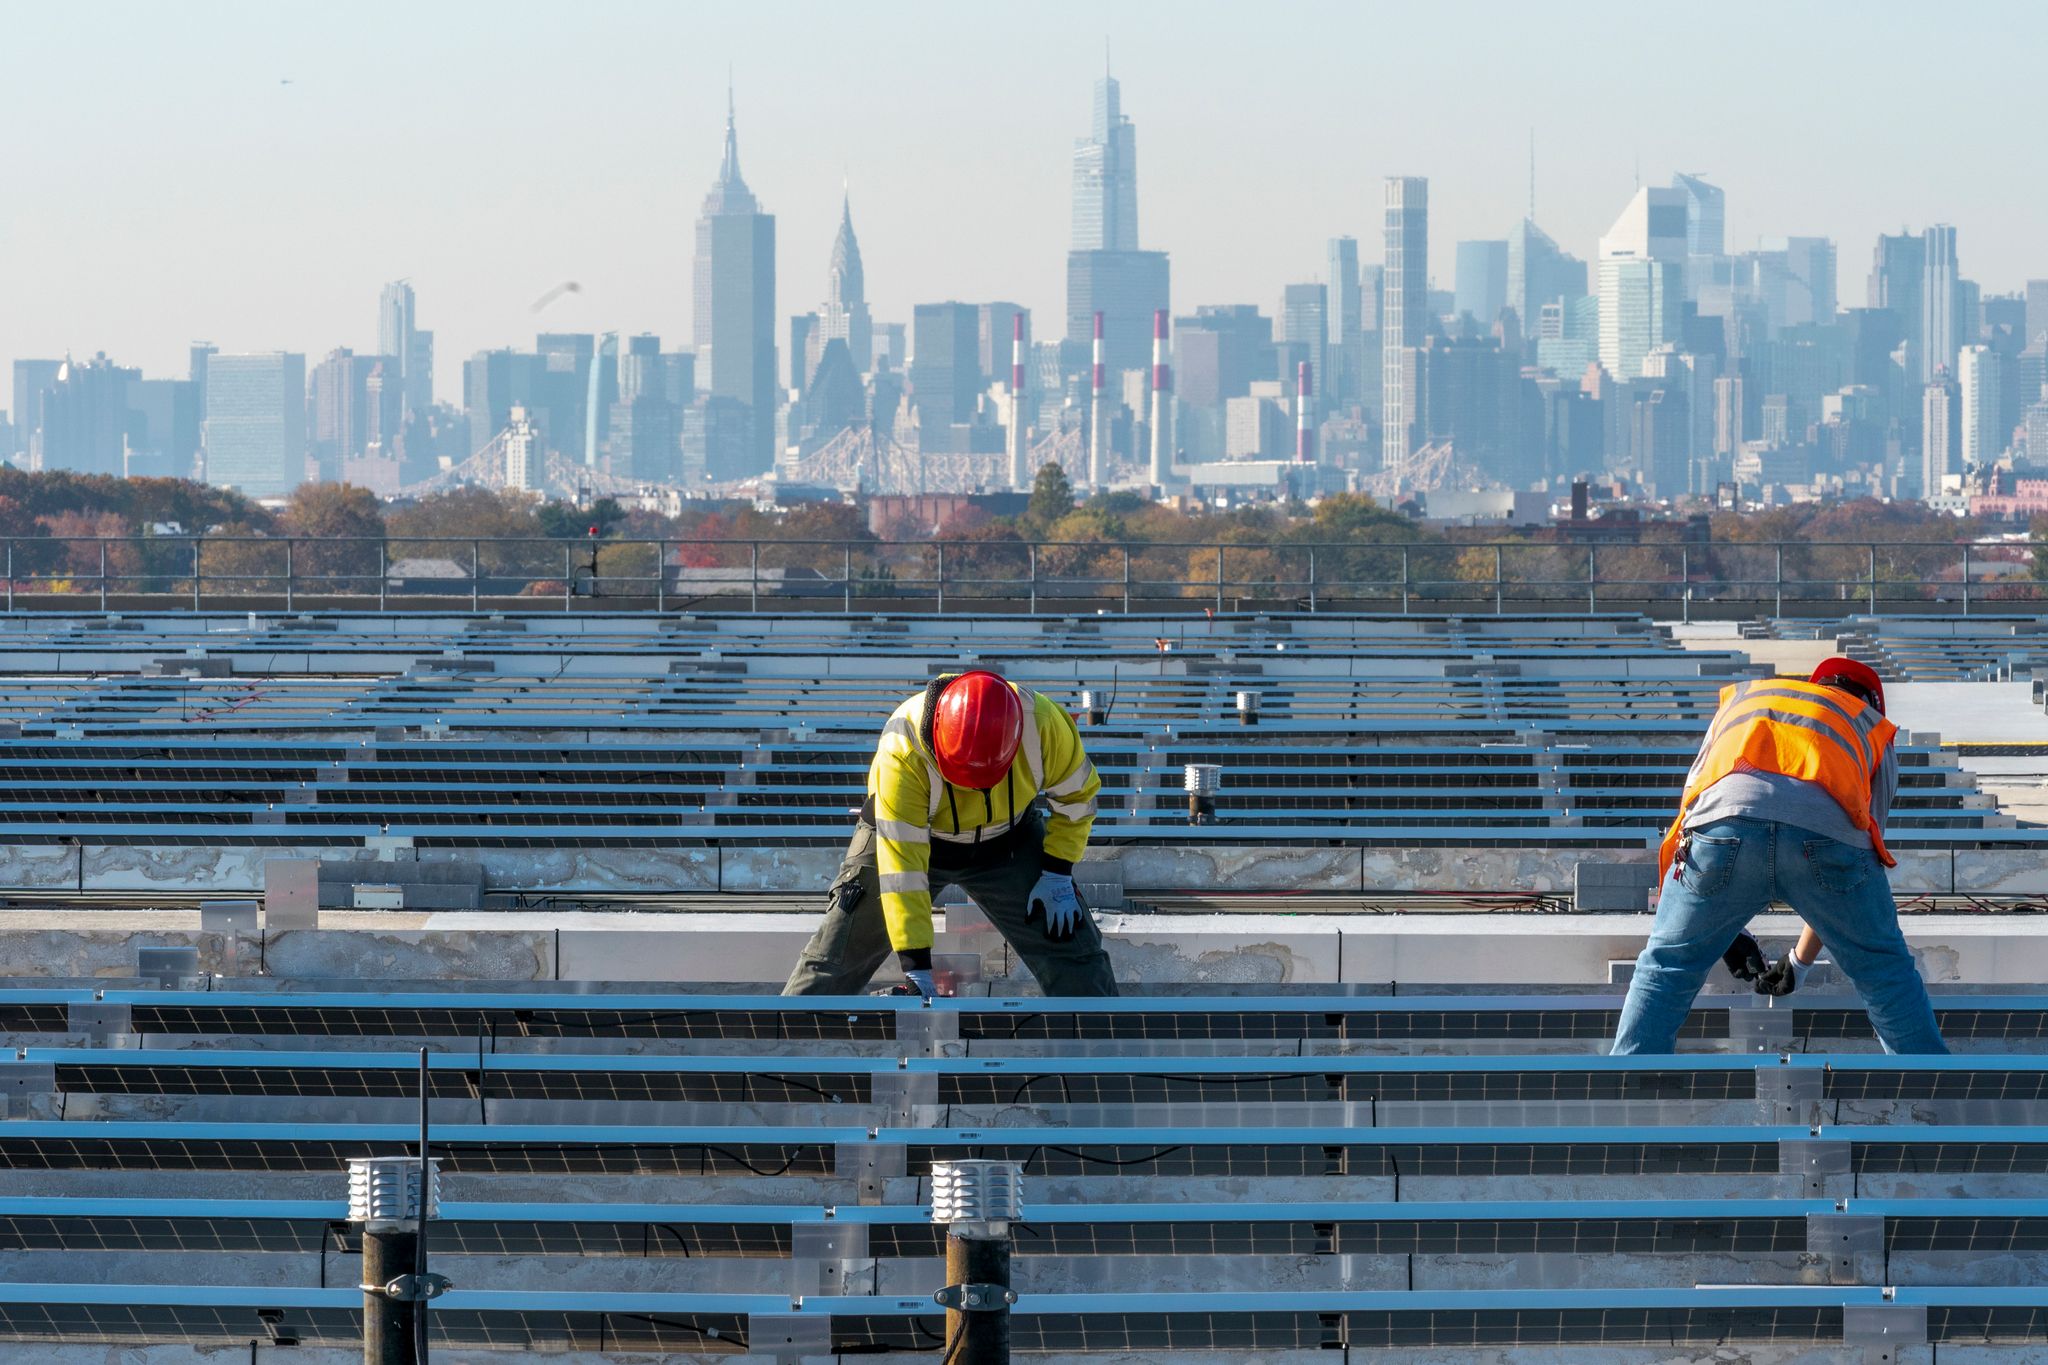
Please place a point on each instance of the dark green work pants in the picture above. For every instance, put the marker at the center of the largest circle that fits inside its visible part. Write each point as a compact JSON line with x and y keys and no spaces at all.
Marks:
{"x":853,"y":940}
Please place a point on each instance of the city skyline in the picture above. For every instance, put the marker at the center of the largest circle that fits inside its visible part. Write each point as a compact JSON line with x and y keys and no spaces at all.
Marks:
{"x":1243,"y":193}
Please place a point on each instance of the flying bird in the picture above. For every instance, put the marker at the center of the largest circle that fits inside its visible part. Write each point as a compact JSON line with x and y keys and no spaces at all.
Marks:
{"x":565,"y":287}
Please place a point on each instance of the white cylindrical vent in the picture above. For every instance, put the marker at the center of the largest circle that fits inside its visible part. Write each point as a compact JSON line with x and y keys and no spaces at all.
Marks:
{"x":1201,"y":779}
{"x":977,"y":1192}
{"x":386,"y":1189}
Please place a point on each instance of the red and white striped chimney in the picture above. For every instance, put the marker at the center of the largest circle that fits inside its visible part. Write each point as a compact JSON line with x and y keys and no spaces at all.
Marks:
{"x":1304,"y":434}
{"x":1162,"y":404}
{"x":1017,"y":355}
{"x":1098,"y":417}
{"x":1098,"y":353}
{"x":1020,"y":478}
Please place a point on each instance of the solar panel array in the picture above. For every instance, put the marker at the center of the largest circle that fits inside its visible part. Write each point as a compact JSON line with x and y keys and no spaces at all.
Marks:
{"x":1946,"y":648}
{"x":715,"y":1179}
{"x":322,"y":734}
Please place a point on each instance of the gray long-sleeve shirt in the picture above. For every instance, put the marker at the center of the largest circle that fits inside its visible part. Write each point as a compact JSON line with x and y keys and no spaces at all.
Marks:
{"x":1759,"y":795}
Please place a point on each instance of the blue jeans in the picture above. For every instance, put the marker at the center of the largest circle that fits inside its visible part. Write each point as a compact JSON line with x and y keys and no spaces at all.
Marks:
{"x":1732,"y":869}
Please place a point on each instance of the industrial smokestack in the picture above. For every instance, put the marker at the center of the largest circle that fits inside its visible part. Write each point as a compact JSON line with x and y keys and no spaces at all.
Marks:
{"x":1162,"y":405}
{"x":1098,"y":417}
{"x":1304,"y":434}
{"x":1020,"y":477}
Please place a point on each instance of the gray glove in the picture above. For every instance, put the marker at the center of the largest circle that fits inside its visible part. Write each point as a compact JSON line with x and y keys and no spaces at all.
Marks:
{"x":921,"y":979}
{"x":1053,"y":896}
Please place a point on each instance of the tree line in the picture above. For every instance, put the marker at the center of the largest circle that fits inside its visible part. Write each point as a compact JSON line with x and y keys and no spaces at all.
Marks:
{"x":337,"y":537}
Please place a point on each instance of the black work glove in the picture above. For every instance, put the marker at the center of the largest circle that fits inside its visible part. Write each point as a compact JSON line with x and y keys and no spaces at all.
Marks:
{"x":1784,"y":976}
{"x":1745,"y":958}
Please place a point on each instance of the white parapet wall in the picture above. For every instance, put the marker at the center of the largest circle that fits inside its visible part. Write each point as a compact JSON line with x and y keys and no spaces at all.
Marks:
{"x":753,"y":947}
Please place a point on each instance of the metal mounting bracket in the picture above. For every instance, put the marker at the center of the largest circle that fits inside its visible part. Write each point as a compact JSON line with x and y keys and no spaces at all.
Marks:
{"x":975,"y":1298}
{"x":413,"y":1288}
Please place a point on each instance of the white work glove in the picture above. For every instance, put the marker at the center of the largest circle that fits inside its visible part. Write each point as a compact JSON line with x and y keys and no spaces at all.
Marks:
{"x":921,"y":979}
{"x":1053,"y":896}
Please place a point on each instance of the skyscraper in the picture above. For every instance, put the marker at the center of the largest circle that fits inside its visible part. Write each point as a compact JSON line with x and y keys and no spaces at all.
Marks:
{"x":1106,"y":272}
{"x":1219,"y":352}
{"x":85,"y":418}
{"x":1404,"y":303}
{"x":1345,"y":298}
{"x":1340,"y":378}
{"x":2037,"y":313}
{"x":1798,"y":275}
{"x":163,"y":428}
{"x":1706,"y":231}
{"x":1984,"y":433}
{"x":1941,"y":432}
{"x":33,"y":379}
{"x":1304,"y":331}
{"x":1482,"y":281}
{"x":256,"y":422}
{"x":1706,"y":215}
{"x":646,"y":419}
{"x":345,"y":412}
{"x":1940,"y":311}
{"x":1641,"y":280}
{"x":845,"y":314}
{"x":394,"y":318}
{"x":1106,"y":176}
{"x":945,"y":368}
{"x":1127,"y":288}
{"x":734,"y":304}
{"x":1897,"y":284}
{"x":410,"y":351}
{"x":1538,"y":272}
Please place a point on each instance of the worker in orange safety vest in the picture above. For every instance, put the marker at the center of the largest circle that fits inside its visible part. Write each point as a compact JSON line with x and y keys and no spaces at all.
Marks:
{"x":1787,"y":800}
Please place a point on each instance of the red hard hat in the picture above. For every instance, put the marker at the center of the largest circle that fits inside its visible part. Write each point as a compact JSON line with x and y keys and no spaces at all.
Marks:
{"x":976,"y":725}
{"x":1851,"y":671}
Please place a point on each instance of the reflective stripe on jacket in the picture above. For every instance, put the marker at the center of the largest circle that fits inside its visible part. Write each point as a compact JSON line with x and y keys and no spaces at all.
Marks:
{"x":913,"y":805}
{"x":1797,"y":729}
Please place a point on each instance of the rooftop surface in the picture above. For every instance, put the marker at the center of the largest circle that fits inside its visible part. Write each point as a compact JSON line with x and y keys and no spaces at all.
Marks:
{"x":1353,"y":1099}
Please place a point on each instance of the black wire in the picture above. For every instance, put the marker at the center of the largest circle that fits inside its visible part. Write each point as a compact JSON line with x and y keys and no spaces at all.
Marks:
{"x":708,"y":1333}
{"x":1113,"y":1161}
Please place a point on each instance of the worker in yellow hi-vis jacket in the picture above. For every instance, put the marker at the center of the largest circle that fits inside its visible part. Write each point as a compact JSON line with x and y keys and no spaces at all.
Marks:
{"x":951,"y":801}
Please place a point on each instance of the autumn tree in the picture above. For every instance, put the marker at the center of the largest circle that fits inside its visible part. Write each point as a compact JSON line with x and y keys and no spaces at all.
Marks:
{"x":567,"y":521}
{"x":89,"y":544}
{"x":239,"y":559}
{"x":447,"y":526}
{"x":338,"y":534}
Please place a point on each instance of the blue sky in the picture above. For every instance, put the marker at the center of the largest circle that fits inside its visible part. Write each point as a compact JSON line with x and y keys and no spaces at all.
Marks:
{"x":163,"y":184}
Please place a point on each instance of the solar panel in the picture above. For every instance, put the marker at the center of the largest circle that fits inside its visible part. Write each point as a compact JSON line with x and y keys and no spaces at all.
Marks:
{"x":679,"y":1019}
{"x":1015,"y":1081}
{"x":543,"y":1321}
{"x":1814,"y":1021}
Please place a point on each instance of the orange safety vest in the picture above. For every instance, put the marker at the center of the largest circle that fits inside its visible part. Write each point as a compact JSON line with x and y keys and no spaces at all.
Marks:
{"x":1798,"y":729}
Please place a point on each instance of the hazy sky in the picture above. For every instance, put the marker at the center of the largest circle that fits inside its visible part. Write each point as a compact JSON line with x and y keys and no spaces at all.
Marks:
{"x":162,"y":183}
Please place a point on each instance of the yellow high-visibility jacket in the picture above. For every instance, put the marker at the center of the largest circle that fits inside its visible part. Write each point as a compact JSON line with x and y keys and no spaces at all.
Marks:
{"x":913,"y":805}
{"x":1800,"y":729}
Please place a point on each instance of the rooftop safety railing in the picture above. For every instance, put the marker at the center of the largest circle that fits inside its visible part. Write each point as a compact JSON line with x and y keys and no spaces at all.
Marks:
{"x":1004,"y":574}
